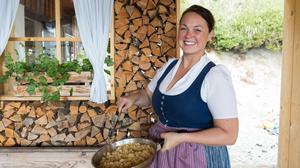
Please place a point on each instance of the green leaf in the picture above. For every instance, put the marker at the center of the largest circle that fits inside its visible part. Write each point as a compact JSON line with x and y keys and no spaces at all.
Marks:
{"x":107,"y":71}
{"x":31,"y":89}
{"x":109,"y":61}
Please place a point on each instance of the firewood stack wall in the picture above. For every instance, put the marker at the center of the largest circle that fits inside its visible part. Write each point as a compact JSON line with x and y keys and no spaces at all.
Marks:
{"x":68,"y":123}
{"x":145,"y":38}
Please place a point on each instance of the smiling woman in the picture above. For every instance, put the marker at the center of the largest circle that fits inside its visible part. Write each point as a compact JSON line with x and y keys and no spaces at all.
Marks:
{"x":196,"y":130}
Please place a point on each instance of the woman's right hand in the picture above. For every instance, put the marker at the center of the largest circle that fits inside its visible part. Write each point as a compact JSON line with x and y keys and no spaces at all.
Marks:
{"x":140,"y":98}
{"x":124,"y":103}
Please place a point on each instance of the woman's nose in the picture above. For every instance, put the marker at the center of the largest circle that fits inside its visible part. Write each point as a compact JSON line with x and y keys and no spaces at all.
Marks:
{"x":188,"y":33}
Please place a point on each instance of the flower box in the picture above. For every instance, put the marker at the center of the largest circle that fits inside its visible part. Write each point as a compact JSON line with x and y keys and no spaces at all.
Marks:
{"x":79,"y":84}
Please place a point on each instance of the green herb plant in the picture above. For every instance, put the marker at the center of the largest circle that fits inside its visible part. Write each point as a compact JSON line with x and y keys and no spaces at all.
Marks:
{"x":43,"y":73}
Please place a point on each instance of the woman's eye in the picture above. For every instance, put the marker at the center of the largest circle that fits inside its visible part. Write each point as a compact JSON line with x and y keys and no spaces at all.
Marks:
{"x":197,"y":30}
{"x":183,"y":28}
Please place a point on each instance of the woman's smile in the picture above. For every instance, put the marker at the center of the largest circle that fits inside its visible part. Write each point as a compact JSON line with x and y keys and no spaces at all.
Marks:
{"x":189,"y":43}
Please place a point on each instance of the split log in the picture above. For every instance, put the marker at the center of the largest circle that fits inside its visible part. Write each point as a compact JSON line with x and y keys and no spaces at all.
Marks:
{"x":23,"y":110}
{"x":91,"y":112}
{"x":6,"y":122}
{"x":9,"y":133}
{"x":81,"y":134}
{"x":121,"y":22}
{"x":2,"y":127}
{"x":169,"y":41}
{"x":8,"y":113}
{"x":90,"y":140}
{"x":11,"y":105}
{"x":16,"y":118}
{"x":50,"y":115}
{"x":136,"y":23}
{"x":127,"y":66}
{"x":70,"y":138}
{"x":135,"y":13}
{"x":82,"y":108}
{"x":94,"y":131}
{"x":74,"y":107}
{"x":142,"y":4}
{"x":118,"y":5}
{"x":99,"y":120}
{"x":2,"y":139}
{"x":99,"y":138}
{"x":85,"y":118}
{"x":52,"y":132}
{"x":111,"y":111}
{"x":39,"y":112}
{"x":42,"y":120}
{"x":38,"y":130}
{"x":10,"y":142}
{"x":162,"y":9}
{"x":121,"y":30}
{"x":132,"y":51}
{"x":156,"y":22}
{"x":151,"y":4}
{"x":123,"y":13}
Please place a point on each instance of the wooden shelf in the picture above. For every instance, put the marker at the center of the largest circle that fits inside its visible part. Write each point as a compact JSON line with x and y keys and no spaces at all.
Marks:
{"x":37,"y":98}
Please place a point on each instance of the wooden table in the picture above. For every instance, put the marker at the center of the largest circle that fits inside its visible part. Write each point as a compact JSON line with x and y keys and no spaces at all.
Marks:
{"x":47,"y":157}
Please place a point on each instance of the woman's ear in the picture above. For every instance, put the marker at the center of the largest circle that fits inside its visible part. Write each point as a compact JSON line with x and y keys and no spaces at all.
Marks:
{"x":211,"y":35}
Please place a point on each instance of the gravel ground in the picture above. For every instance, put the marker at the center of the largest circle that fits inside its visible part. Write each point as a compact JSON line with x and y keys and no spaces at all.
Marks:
{"x":256,"y":77}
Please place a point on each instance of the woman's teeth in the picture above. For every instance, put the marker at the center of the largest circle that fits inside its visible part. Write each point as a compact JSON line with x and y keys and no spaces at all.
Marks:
{"x":189,"y":43}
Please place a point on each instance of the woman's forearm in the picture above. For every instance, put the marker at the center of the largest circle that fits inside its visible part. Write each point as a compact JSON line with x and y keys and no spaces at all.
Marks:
{"x":226,"y":134}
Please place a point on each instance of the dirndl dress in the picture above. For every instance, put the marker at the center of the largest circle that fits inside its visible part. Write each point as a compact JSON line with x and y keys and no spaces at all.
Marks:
{"x":188,"y":112}
{"x":187,"y":155}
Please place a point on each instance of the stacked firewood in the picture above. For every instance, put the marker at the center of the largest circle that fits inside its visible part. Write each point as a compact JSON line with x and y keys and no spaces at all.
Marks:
{"x":69,"y":123}
{"x":145,"y":38}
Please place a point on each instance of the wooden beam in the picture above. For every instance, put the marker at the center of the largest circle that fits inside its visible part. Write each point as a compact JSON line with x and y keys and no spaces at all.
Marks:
{"x":72,"y":39}
{"x":37,"y":98}
{"x":47,"y":157}
{"x":289,"y":150}
{"x":177,"y":26}
{"x":112,"y":96}
{"x":58,"y":31}
{"x":294,"y":152}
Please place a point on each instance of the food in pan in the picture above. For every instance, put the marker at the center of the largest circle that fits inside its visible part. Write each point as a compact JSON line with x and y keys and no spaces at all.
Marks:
{"x":126,"y":156}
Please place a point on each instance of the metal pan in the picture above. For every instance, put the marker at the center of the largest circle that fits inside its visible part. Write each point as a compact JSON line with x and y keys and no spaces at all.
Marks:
{"x":110,"y":147}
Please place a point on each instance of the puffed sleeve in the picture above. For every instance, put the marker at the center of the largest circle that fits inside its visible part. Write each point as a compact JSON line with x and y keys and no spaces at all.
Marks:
{"x":159,"y":72}
{"x":219,"y":93}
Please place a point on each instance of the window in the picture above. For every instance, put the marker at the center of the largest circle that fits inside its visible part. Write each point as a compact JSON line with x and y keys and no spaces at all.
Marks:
{"x":48,"y":26}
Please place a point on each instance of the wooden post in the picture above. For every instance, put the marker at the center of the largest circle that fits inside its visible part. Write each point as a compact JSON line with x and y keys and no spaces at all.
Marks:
{"x":178,"y":13}
{"x":58,"y":30}
{"x":112,"y":96}
{"x":289,"y":141}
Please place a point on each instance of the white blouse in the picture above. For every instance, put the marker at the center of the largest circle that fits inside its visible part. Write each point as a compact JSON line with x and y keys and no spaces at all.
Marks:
{"x":216,"y":90}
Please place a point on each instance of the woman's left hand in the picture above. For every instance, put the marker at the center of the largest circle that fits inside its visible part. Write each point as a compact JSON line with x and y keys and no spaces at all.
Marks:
{"x":171,"y":139}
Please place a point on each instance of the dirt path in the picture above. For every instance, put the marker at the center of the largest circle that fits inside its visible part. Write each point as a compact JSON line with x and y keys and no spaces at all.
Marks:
{"x":256,"y":77}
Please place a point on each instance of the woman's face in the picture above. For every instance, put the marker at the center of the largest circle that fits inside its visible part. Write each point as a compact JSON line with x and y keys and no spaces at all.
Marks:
{"x":193,"y":34}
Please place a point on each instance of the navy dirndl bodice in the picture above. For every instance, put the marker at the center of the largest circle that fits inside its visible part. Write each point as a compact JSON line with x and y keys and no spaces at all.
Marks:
{"x":187,"y":109}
